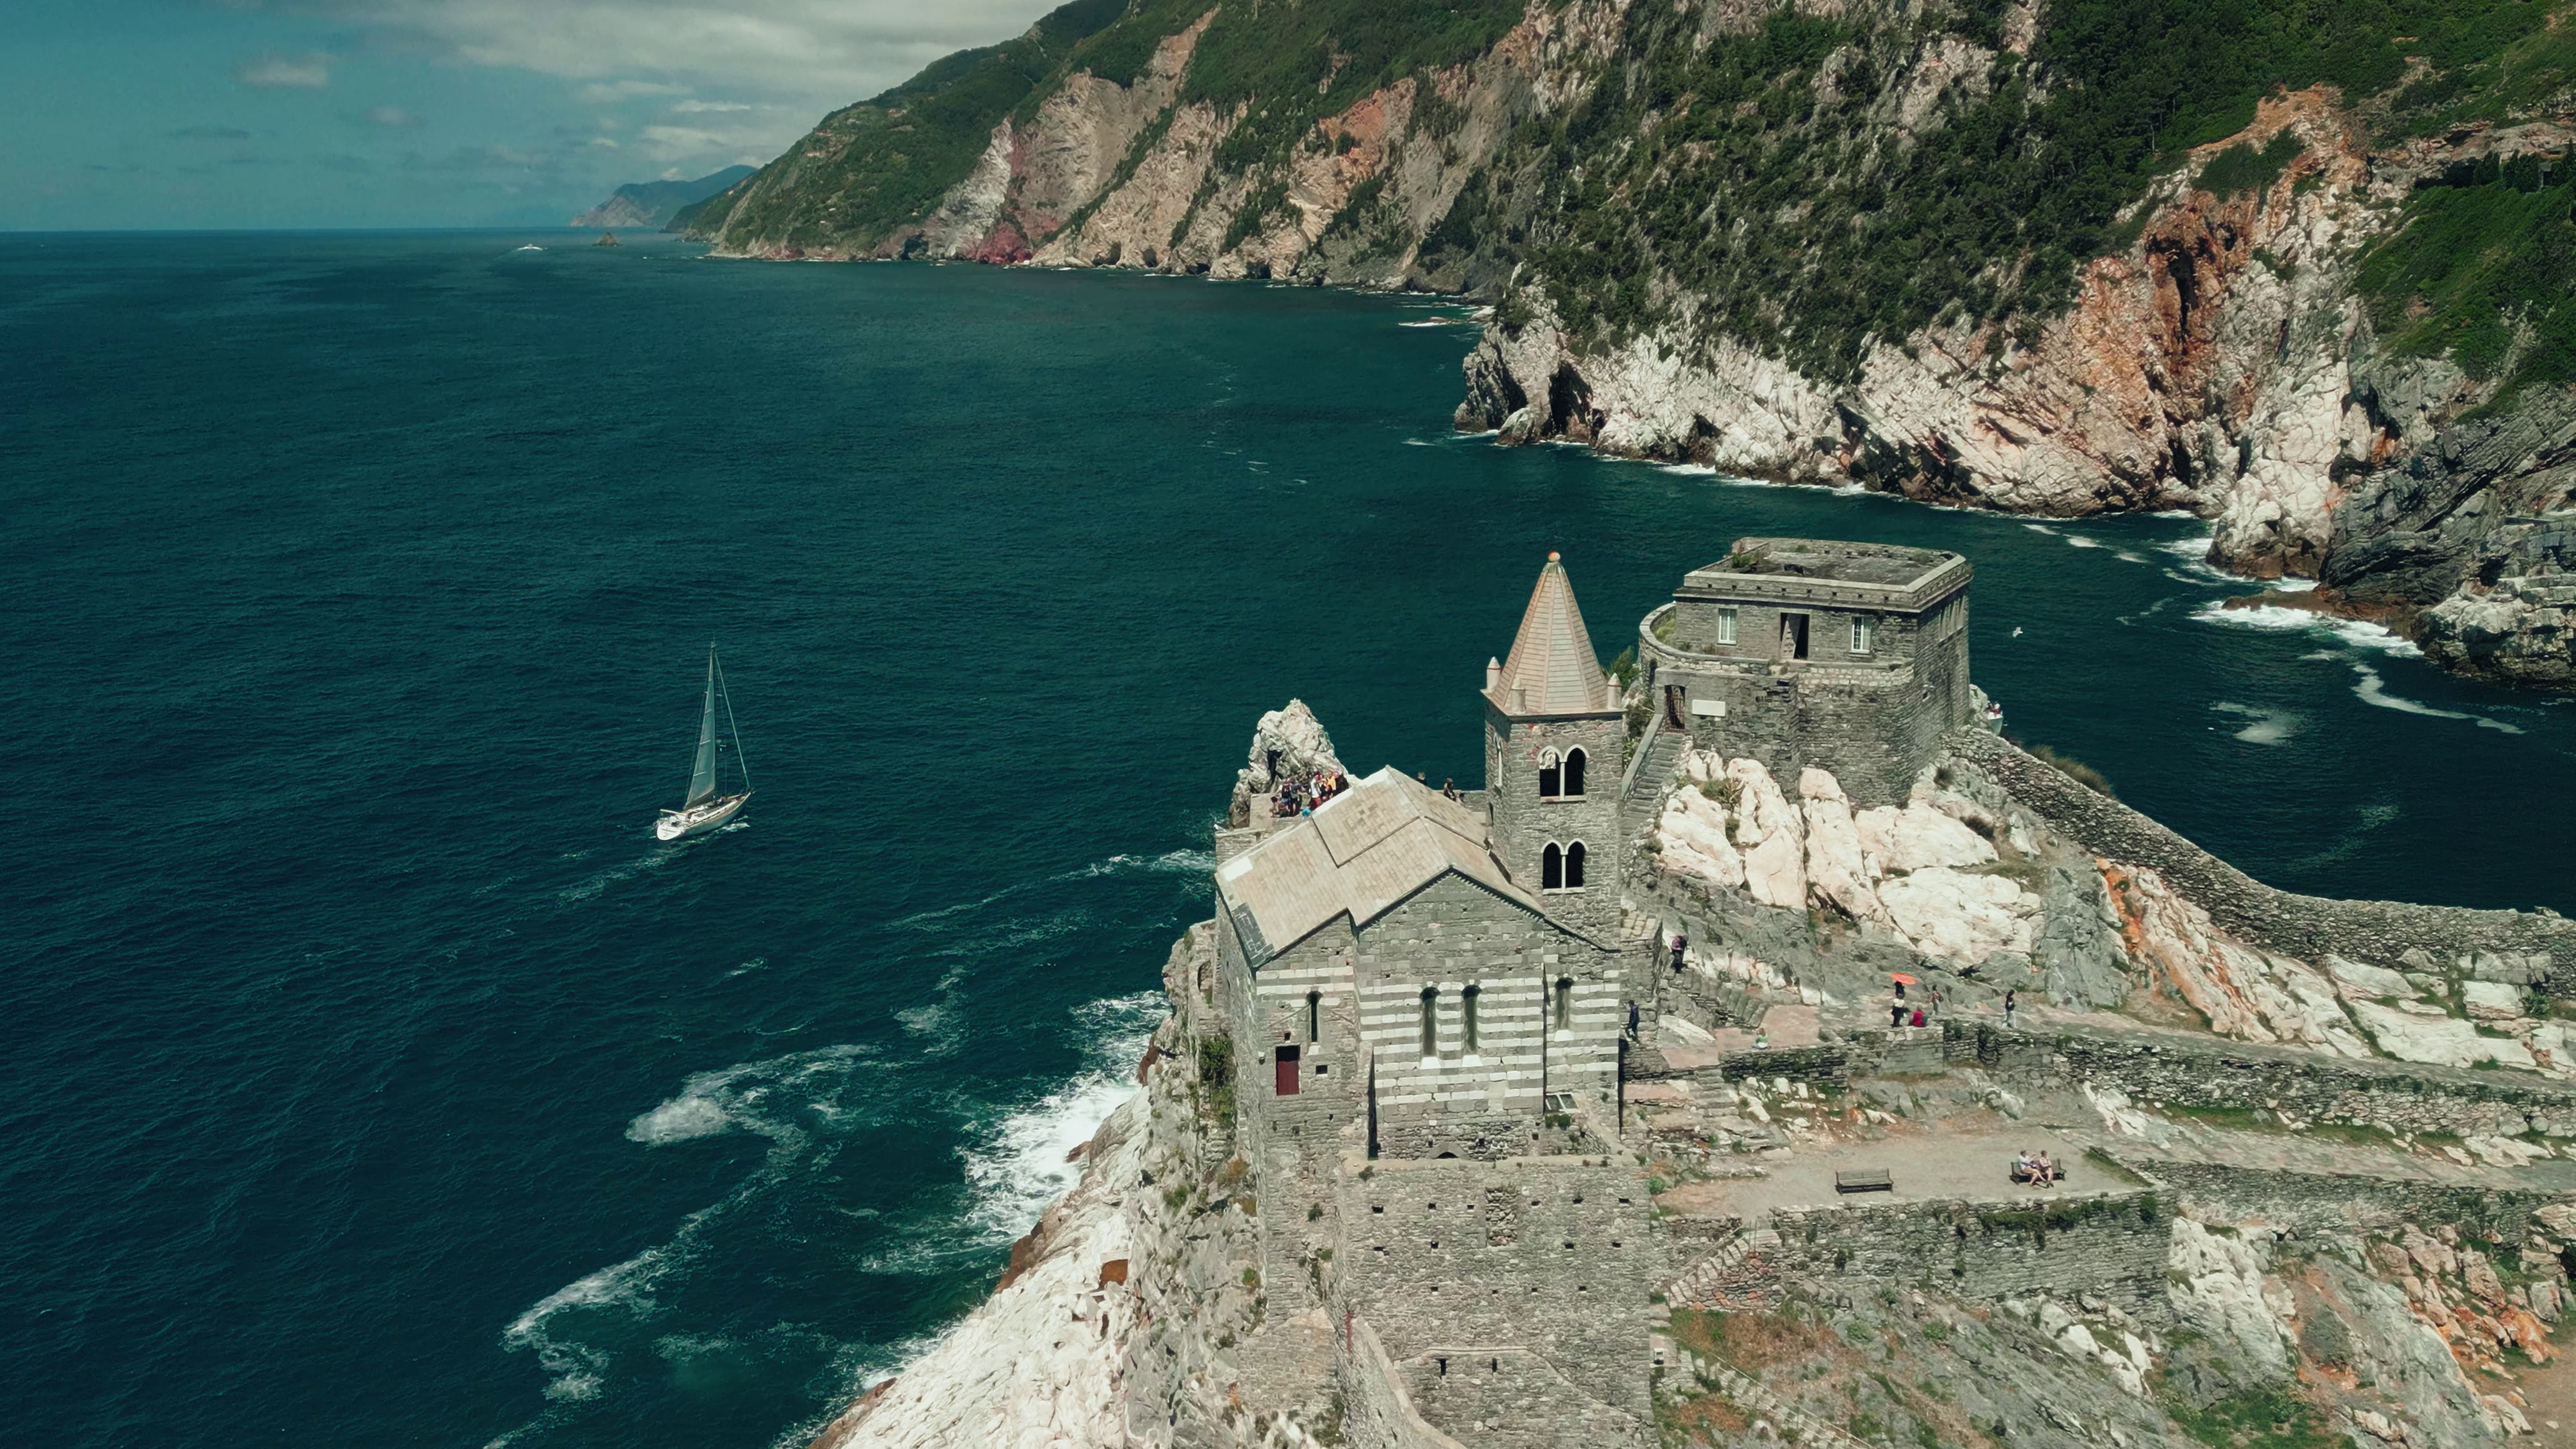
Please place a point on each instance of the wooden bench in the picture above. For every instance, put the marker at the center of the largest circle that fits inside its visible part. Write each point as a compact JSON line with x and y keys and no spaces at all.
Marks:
{"x":1872,"y":1179}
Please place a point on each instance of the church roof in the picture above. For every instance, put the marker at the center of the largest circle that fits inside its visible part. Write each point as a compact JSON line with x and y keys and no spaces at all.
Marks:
{"x":1362,"y":852}
{"x":1551,"y":669}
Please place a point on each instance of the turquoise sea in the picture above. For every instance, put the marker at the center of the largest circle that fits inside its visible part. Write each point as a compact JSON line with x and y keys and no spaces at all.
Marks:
{"x":373,"y":1077}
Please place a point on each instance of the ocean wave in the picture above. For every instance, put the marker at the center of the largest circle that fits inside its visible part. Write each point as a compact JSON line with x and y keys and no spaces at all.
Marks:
{"x":1022,"y":1163}
{"x":2041,"y":528}
{"x":2373,"y":690}
{"x":749,"y":1096}
{"x":1170,"y":862}
{"x":575,"y":1370}
{"x":2356,"y":633}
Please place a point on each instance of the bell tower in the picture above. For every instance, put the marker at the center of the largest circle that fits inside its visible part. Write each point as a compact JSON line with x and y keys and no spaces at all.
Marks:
{"x":1554,"y":737}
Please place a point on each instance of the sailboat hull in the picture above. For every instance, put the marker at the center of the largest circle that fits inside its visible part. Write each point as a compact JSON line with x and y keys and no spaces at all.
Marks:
{"x":698,"y":819}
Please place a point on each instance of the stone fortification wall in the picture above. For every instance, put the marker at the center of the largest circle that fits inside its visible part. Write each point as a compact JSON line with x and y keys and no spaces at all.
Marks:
{"x":2310,"y":1202}
{"x":1553,"y":1254}
{"x":2193,"y":1072}
{"x":2381,"y":932}
{"x":2111,"y":1244}
{"x":1511,"y":1398}
{"x":1377,"y":1412}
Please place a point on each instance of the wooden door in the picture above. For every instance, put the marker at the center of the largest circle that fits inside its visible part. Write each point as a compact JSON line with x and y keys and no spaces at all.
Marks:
{"x":1286,"y":1080}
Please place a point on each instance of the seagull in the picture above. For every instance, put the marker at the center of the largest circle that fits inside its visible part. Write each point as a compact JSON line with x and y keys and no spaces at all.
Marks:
{"x":2016,"y":631}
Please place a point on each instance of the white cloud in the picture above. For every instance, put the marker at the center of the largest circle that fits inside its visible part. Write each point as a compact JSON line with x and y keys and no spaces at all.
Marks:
{"x":394,"y":116}
{"x":609,"y":92}
{"x":703,"y":108}
{"x":813,"y":52}
{"x":275,"y":72}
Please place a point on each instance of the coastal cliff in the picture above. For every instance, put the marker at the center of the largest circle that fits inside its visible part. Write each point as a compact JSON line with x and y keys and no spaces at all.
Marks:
{"x":2302,"y":275}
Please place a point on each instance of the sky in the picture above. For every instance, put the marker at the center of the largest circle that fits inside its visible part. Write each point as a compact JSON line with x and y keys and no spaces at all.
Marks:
{"x":246,"y":114}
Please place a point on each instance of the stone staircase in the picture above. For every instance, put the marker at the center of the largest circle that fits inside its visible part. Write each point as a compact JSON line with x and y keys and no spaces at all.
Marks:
{"x":1652,"y":770}
{"x":1734,"y":1278}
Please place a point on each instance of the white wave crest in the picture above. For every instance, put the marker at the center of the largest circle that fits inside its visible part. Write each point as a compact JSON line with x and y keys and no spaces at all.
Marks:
{"x":2373,"y":690}
{"x":575,"y":1369}
{"x":1022,"y":1163}
{"x":2265,"y":726}
{"x":2356,"y":633}
{"x":678,"y":1120}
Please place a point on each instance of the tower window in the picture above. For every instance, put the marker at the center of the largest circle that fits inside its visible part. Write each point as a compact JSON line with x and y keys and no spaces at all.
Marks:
{"x":1726,"y":626}
{"x":1551,"y":868}
{"x":1864,"y":635}
{"x":1314,"y":1016}
{"x":1430,"y":1022}
{"x":1574,"y":866}
{"x":1573,"y":772}
{"x":1467,"y":1014}
{"x":1550,"y":775}
{"x":1564,"y":1002}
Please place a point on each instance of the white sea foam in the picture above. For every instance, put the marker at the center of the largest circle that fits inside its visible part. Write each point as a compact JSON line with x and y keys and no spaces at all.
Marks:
{"x":575,"y":1369}
{"x":1021,"y":1164}
{"x":2080,"y":541}
{"x":679,"y":1120}
{"x":2373,"y":690}
{"x":2293,"y":586}
{"x":2041,"y":528}
{"x":2264,"y":726}
{"x":2356,"y":633}
{"x":2124,"y":556}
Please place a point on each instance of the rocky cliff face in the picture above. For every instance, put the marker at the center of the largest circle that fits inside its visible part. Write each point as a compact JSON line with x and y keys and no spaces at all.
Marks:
{"x":2299,"y":276}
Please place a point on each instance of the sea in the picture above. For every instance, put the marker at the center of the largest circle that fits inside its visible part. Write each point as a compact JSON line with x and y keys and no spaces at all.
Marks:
{"x":368,"y":1072}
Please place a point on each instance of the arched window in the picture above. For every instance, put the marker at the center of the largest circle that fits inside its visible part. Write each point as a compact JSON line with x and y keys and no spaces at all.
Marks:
{"x":1564,"y":1002}
{"x":1467,"y":1015}
{"x":1550,"y":776}
{"x":1551,"y":868}
{"x":1574,"y":866}
{"x":1314,"y":1016}
{"x":1573,"y":772}
{"x":1430,"y":1022}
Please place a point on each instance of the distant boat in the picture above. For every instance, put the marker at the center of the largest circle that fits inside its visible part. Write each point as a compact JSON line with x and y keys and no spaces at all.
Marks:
{"x":606,"y":239}
{"x":705,"y":809}
{"x":532,"y":247}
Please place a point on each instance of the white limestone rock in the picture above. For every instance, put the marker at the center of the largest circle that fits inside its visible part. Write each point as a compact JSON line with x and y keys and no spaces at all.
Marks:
{"x":2491,"y":1000}
{"x":2358,"y":981}
{"x":2439,"y":1041}
{"x":2214,"y":1281}
{"x":1772,"y":834}
{"x":1837,"y":874}
{"x":1286,"y":744}
{"x":1691,"y":839}
{"x":1955,"y":916}
{"x":1917,"y":837}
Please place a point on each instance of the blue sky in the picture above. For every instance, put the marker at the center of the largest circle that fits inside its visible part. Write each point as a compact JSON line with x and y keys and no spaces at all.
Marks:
{"x":394,"y":113}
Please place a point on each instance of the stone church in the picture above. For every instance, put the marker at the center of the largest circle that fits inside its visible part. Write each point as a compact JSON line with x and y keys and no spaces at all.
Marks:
{"x":1427,"y":997}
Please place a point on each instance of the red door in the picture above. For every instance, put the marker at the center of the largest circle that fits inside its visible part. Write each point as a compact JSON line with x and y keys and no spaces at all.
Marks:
{"x":1287,"y":1072}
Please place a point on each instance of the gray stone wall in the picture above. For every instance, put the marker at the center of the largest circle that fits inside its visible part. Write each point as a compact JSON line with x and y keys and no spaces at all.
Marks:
{"x":2113,"y":1244}
{"x":1555,"y":1255}
{"x":2379,"y":932}
{"x":2182,"y":1072}
{"x":2318,"y":1202}
{"x":1511,"y":1398}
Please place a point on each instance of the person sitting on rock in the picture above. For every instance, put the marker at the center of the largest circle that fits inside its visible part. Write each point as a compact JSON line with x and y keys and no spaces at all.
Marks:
{"x":1918,"y":1016}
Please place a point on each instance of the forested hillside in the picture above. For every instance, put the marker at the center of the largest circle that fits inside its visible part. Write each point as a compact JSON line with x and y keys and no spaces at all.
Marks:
{"x":2301,"y":266}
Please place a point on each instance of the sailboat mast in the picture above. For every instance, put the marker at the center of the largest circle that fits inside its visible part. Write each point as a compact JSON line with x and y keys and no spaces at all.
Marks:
{"x":702,"y":781}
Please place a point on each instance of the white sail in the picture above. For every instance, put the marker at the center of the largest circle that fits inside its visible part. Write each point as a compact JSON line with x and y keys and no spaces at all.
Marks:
{"x":702,"y":783}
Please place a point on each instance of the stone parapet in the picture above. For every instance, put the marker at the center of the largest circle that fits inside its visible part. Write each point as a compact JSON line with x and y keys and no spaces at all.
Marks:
{"x":2307,"y":927}
{"x":2113,"y":1244}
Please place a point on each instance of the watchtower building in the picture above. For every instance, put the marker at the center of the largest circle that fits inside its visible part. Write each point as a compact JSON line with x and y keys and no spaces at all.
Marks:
{"x":1852,"y":657}
{"x":1554,"y":739}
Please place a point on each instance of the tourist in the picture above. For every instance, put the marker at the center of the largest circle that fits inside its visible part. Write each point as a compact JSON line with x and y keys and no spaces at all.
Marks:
{"x":2023,"y":1168}
{"x":1896,"y":1015}
{"x":2009,"y":1006}
{"x":1918,"y":1016}
{"x":1632,"y":1021}
{"x":2046,"y":1170}
{"x":1680,"y":944}
{"x":1449,"y":787}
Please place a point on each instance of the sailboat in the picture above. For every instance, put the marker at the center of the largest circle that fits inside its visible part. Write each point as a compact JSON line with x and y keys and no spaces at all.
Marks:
{"x":705,"y":809}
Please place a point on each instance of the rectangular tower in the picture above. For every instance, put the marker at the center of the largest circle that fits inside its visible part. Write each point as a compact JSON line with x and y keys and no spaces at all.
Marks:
{"x":1852,"y":657}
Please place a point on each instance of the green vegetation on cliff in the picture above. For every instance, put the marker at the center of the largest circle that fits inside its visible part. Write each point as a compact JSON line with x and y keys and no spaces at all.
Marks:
{"x":1756,"y":175}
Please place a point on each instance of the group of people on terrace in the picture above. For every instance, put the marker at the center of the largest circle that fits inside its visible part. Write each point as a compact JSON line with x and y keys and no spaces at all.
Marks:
{"x":2035,"y":1169}
{"x":1301,"y":794}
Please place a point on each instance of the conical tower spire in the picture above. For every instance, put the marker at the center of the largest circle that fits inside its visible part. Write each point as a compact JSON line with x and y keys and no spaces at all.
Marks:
{"x":1551,"y":669}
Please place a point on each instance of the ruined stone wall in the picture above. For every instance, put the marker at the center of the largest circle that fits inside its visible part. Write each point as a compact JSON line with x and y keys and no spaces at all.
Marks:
{"x":1377,"y":1412}
{"x":2212,"y":1073}
{"x":2379,"y":932}
{"x":2309,"y":1202}
{"x":2111,"y":1244}
{"x":1511,"y":1398}
{"x":1555,"y":1255}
